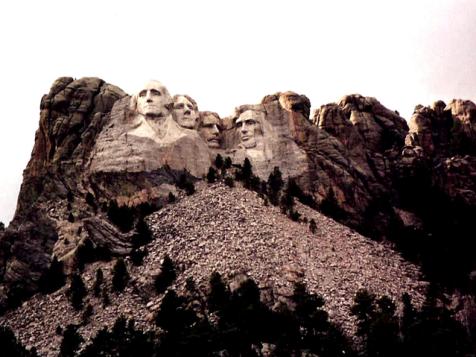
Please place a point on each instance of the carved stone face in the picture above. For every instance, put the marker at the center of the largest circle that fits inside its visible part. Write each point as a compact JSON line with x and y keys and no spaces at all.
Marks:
{"x":186,"y":112}
{"x":209,"y":130}
{"x":247,"y":125}
{"x":152,"y":100}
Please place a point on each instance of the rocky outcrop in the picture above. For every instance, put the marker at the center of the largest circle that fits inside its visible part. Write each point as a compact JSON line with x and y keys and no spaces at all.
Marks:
{"x":97,"y":146}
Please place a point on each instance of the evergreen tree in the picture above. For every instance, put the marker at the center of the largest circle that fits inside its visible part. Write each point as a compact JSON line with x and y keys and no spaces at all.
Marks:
{"x":106,"y":301}
{"x":219,"y":161}
{"x":173,"y":316}
{"x":122,"y":217}
{"x":77,"y":291}
{"x":120,"y":276}
{"x":53,"y":278}
{"x":171,"y":198}
{"x":98,"y":282}
{"x":211,"y":175}
{"x":246,"y":172}
{"x":275,"y":183}
{"x":219,"y":295}
{"x":142,"y":234}
{"x":10,"y":346}
{"x":227,"y":163}
{"x":312,"y":226}
{"x":87,"y":313}
{"x":124,"y":340}
{"x":91,"y":201}
{"x":166,"y":276}
{"x":70,"y":342}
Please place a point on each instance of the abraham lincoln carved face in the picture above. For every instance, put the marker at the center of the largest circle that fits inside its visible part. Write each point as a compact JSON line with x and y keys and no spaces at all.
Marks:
{"x":248,"y":127}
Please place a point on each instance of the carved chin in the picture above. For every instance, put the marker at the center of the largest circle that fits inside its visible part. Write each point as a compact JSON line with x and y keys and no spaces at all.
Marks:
{"x":248,"y":143}
{"x":187,"y":123}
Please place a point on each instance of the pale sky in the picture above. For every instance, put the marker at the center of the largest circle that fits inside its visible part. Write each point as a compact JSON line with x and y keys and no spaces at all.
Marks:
{"x":225,"y":53}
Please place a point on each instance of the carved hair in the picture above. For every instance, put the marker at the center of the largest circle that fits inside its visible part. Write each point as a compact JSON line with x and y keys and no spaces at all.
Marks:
{"x":259,"y":120}
{"x":205,"y":114}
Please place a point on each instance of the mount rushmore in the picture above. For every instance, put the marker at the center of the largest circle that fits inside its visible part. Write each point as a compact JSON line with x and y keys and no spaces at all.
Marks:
{"x":358,"y":160}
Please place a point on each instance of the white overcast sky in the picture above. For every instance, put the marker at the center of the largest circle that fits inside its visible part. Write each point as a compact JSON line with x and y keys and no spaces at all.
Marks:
{"x":227,"y":53}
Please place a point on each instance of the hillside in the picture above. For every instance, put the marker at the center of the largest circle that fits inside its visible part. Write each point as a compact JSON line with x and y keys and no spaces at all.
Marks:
{"x":231,"y":231}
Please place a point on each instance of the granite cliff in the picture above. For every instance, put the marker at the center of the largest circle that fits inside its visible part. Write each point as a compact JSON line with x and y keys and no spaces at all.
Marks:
{"x":99,"y":149}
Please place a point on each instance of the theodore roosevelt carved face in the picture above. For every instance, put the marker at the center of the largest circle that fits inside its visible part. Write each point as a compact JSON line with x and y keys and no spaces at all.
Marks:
{"x":153,"y":100}
{"x":248,"y":127}
{"x":209,"y":129}
{"x":186,"y":111}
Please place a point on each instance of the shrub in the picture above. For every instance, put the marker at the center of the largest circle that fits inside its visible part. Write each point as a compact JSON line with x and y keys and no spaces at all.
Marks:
{"x":70,"y":217}
{"x":120,"y":276}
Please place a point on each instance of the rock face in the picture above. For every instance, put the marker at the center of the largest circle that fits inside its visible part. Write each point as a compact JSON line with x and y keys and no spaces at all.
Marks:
{"x":98,"y":149}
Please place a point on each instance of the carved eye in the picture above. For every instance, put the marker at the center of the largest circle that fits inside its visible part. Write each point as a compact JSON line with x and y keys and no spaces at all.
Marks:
{"x":189,"y":106}
{"x":142,"y":93}
{"x":250,"y":122}
{"x":155,"y":92}
{"x":178,"y":106}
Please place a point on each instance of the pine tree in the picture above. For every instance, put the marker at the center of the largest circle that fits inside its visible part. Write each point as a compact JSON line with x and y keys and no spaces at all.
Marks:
{"x":52,"y":279}
{"x":219,"y":161}
{"x":71,"y":341}
{"x":312,"y":226}
{"x":211,"y":175}
{"x":98,"y":282}
{"x":171,"y":198}
{"x":142,"y":234}
{"x":120,"y":276}
{"x":166,"y":276}
{"x":227,"y":163}
{"x":77,"y":291}
{"x":275,"y":183}
{"x":219,"y":295}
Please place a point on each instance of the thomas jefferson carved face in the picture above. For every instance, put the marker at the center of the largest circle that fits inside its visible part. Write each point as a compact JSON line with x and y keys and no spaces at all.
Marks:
{"x":209,"y":129}
{"x":247,"y":125}
{"x":153,"y":99}
{"x":186,"y":111}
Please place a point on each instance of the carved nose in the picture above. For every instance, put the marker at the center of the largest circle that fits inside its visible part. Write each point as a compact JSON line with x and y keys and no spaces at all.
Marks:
{"x":187,"y":112}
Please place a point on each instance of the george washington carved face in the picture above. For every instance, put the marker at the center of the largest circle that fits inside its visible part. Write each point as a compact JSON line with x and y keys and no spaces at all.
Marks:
{"x":186,"y":111}
{"x":209,"y":129}
{"x":248,"y":127}
{"x":153,"y":100}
